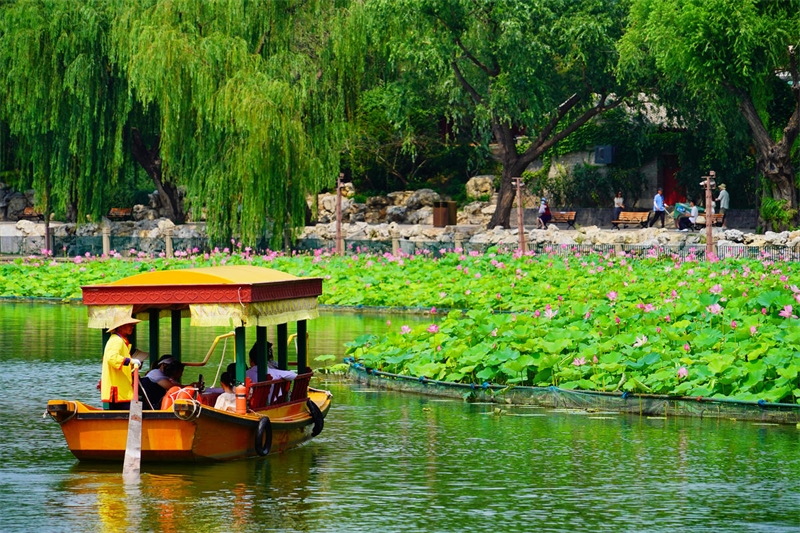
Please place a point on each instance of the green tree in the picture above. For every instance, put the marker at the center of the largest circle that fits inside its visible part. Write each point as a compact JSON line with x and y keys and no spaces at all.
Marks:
{"x":711,"y":58}
{"x":61,"y":103}
{"x":505,"y":67}
{"x":242,"y":101}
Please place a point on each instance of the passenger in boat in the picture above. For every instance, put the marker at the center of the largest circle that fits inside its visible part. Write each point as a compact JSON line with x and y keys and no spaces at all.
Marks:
{"x":273,"y":372}
{"x":116,"y":385}
{"x":159,"y":380}
{"x":227,"y":400}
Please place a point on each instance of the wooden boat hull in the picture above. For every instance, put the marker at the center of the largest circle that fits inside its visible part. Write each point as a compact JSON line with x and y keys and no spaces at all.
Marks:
{"x":187,"y":432}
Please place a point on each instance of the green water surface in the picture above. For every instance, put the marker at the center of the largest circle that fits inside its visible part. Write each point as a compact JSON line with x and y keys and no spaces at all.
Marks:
{"x":385,"y":461}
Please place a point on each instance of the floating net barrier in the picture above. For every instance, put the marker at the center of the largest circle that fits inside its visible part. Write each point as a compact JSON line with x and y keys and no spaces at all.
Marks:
{"x":556,"y":398}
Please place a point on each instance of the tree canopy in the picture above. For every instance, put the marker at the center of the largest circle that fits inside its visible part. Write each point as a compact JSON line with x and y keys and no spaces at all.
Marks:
{"x":509,"y":67}
{"x":715,"y":58}
{"x":243,"y":101}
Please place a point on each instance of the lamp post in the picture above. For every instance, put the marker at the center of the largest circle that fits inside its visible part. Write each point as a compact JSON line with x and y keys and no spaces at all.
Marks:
{"x":708,"y":184}
{"x":339,"y":243}
{"x":520,"y":214}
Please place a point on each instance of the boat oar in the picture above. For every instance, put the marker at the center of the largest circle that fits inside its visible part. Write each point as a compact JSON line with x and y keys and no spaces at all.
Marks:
{"x":133,"y":448}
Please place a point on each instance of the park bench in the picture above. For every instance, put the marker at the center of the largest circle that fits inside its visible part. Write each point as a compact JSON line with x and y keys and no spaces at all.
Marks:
{"x":717,"y":219}
{"x":631,"y":217}
{"x":30,"y":214}
{"x":563,"y":217}
{"x":120,"y":213}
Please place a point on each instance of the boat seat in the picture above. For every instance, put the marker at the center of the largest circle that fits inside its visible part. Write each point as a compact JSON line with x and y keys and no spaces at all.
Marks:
{"x":300,"y":388}
{"x":175,"y":393}
{"x":271,"y":392}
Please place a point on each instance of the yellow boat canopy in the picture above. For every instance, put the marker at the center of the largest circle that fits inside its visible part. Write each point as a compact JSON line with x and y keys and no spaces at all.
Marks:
{"x":230,"y":296}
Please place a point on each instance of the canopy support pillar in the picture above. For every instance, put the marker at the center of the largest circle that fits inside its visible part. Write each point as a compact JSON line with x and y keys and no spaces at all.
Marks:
{"x":176,"y":334}
{"x":302,"y":347}
{"x":241,"y":362}
{"x":281,"y":340}
{"x":154,"y":348}
{"x":261,"y":352}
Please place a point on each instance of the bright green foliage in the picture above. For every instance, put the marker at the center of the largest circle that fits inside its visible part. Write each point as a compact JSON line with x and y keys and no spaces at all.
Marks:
{"x":537,"y":320}
{"x":61,"y":102}
{"x":250,"y":115}
{"x":245,"y":100}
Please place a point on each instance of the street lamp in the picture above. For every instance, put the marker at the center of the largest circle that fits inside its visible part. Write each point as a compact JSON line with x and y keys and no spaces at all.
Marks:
{"x":708,"y":184}
{"x":520,"y":214}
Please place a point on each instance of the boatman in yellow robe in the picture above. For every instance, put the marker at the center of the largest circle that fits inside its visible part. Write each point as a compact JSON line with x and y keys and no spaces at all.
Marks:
{"x":116,"y":385}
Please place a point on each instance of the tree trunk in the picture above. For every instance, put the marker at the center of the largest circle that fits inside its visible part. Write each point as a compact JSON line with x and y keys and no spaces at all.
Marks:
{"x":151,"y":163}
{"x":775,"y":158}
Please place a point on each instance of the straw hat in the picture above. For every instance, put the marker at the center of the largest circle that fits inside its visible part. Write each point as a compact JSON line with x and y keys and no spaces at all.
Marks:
{"x":722,"y":186}
{"x":121,"y":321}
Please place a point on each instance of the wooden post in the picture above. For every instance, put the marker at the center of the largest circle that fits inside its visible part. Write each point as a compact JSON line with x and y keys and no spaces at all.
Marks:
{"x":520,"y":214}
{"x":168,"y":242}
{"x":106,"y":240}
{"x":395,"y":243}
{"x":339,"y":241}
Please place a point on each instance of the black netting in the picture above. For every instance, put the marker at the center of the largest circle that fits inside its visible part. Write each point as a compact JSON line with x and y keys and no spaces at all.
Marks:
{"x":556,"y":398}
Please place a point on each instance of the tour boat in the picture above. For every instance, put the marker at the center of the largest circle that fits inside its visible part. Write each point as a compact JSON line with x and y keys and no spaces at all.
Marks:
{"x":279,"y":414}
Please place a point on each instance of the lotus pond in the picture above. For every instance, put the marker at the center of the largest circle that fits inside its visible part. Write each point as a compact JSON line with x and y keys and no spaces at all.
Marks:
{"x":585,"y":321}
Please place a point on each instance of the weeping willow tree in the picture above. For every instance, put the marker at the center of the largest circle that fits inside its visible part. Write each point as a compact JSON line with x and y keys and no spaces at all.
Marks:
{"x":61,"y":103}
{"x":243,"y":102}
{"x":251,"y":99}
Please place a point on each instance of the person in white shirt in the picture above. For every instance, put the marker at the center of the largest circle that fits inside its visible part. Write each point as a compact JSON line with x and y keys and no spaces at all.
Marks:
{"x":227,"y":400}
{"x":686,"y":222}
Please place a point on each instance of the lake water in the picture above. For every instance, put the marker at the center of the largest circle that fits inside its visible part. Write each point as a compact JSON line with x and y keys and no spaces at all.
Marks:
{"x":385,"y":461}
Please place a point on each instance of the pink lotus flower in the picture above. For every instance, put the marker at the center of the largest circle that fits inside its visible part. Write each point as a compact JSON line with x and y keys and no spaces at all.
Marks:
{"x":494,"y":332}
{"x":549,"y":313}
{"x":716,"y":289}
{"x":753,"y":330}
{"x":588,"y":315}
{"x":764,"y":311}
{"x":405,"y":329}
{"x":714,"y":309}
{"x":686,"y":347}
{"x":594,"y":360}
{"x":388,"y":322}
{"x":433,"y":310}
{"x":616,"y":319}
{"x":649,"y":308}
{"x":537,"y":314}
{"x":579,"y":361}
{"x":640,"y":341}
{"x":682,"y":372}
{"x":433,"y":328}
{"x":787,"y":312}
{"x":612,"y":296}
{"x":658,"y":329}
{"x":733,"y":324}
{"x":668,"y":318}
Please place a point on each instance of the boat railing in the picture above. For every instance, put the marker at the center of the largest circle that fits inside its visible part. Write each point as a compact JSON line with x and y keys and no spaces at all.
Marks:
{"x":277,"y":391}
{"x":266,"y":393}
